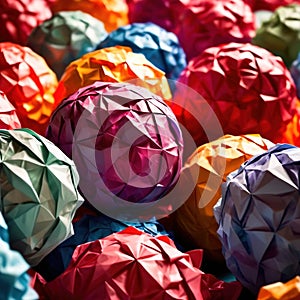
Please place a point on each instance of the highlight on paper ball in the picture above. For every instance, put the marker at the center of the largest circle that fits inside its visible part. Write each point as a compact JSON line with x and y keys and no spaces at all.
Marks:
{"x":258,"y":218}
{"x":206,"y":24}
{"x":134,"y":265}
{"x":8,"y":115}
{"x":29,"y":84}
{"x":39,"y":194}
{"x":65,"y":37}
{"x":112,"y":64}
{"x":89,"y":228}
{"x":213,"y":162}
{"x":14,"y":281}
{"x":124,"y":139}
{"x":281,"y":33}
{"x":113,"y":13}
{"x":249,"y":89}
{"x":19,"y":17}
{"x":159,"y":46}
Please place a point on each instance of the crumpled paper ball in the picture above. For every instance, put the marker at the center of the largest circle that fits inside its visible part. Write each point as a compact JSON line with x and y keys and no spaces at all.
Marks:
{"x":122,"y":138}
{"x":14,"y":281}
{"x":140,"y":11}
{"x":213,"y":162}
{"x":159,"y":46}
{"x":295,"y":72}
{"x":113,"y":13}
{"x":134,"y":265}
{"x":258,"y":218}
{"x":29,"y":84}
{"x":87,"y":229}
{"x":38,"y":193}
{"x":270,"y":5}
{"x":206,"y":24}
{"x":113,"y":64}
{"x":65,"y":37}
{"x":281,"y":291}
{"x":281,"y":33}
{"x":19,"y":17}
{"x":8,"y":115}
{"x":249,"y":89}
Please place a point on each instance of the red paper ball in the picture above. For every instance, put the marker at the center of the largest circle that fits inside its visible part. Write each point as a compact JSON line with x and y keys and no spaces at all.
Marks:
{"x":19,"y":17}
{"x":134,"y":265}
{"x":269,"y":4}
{"x":210,"y":23}
{"x":8,"y":115}
{"x":125,"y":141}
{"x":249,"y":89}
{"x":29,"y":84}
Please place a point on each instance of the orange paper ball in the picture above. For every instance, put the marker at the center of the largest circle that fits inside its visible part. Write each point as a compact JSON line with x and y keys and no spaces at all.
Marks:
{"x":29,"y":84}
{"x":113,"y":64}
{"x":195,"y":220}
{"x":113,"y":13}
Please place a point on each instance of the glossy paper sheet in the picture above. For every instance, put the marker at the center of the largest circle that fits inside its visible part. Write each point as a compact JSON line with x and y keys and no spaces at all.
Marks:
{"x":206,"y":24}
{"x":123,"y":127}
{"x":38,"y":193}
{"x":295,"y":71}
{"x":258,"y":218}
{"x":113,"y":64}
{"x":238,"y":81}
{"x":87,"y":229}
{"x":113,"y":13}
{"x":159,"y":46}
{"x":19,"y":17}
{"x":281,"y":33}
{"x":195,"y":221}
{"x":14,"y":281}
{"x":29,"y":84}
{"x":281,"y":291}
{"x":66,"y":37}
{"x":134,"y":265}
{"x":8,"y":115}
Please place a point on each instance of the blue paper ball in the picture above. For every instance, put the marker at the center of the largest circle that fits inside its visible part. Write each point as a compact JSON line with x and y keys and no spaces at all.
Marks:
{"x":88,"y":228}
{"x":259,"y":217}
{"x":295,"y":71}
{"x":159,"y":46}
{"x":14,"y":281}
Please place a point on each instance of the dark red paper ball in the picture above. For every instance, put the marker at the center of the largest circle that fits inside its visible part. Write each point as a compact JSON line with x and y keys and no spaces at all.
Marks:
{"x":19,"y":17}
{"x":249,"y":89}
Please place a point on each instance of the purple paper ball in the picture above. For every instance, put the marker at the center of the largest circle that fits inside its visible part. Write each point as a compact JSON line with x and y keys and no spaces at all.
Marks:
{"x":259,"y":218}
{"x":295,"y":72}
{"x":125,"y":141}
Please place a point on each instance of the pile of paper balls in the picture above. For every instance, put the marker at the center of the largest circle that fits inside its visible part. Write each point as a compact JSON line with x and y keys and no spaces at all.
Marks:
{"x":150,"y":149}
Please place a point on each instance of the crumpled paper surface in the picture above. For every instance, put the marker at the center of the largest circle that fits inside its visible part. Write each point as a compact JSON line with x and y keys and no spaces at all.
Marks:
{"x":195,"y":221}
{"x":19,"y":17}
{"x":270,"y":5}
{"x":38,"y":193}
{"x":105,"y":121}
{"x":29,"y":84}
{"x":14,"y":281}
{"x":159,"y":46}
{"x":204,"y":24}
{"x":249,"y":89}
{"x":134,"y":265}
{"x":113,"y":64}
{"x":281,"y":291}
{"x":87,"y":229}
{"x":295,"y":72}
{"x":65,"y":37}
{"x":113,"y":13}
{"x":281,"y":33}
{"x":8,"y":115}
{"x":258,"y":218}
